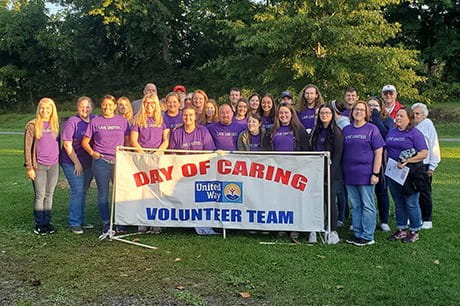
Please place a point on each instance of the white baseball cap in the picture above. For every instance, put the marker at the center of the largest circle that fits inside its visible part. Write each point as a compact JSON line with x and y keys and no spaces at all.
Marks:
{"x":388,"y":88}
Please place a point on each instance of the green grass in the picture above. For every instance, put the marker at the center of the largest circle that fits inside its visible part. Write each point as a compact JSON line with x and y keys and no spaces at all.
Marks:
{"x":77,"y":270}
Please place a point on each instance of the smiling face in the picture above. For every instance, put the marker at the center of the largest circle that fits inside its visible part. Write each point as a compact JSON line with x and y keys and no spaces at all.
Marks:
{"x":359,"y":113}
{"x":267,"y":105}
{"x":284,"y":115}
{"x":189,"y":117}
{"x":419,"y":115}
{"x":254,"y":125}
{"x":325,"y":116}
{"x":172,"y":104}
{"x":122,"y":107}
{"x":225,"y":114}
{"x":198,"y":101}
{"x":350,"y":98}
{"x":242,"y":109}
{"x":402,"y":119}
{"x":209,"y":110}
{"x":254,"y":103}
{"x":389,"y":97}
{"x":374,"y":104}
{"x":149,"y":106}
{"x":45,"y":111}
{"x":310,"y":96}
{"x":234,"y":96}
{"x":108,"y":108}
{"x":84,"y":109}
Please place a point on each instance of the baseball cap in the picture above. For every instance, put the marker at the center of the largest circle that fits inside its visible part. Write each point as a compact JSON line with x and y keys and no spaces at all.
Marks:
{"x":388,"y":88}
{"x":286,"y":94}
{"x":179,"y":88}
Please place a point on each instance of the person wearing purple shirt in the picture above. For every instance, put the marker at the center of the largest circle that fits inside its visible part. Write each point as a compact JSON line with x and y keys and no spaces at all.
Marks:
{"x":173,"y":116}
{"x":406,"y":137}
{"x":362,"y":160}
{"x":350,"y":97}
{"x":191,"y":136}
{"x":267,"y":110}
{"x":148,"y":129}
{"x":241,"y":115}
{"x":251,"y":138}
{"x":310,"y":100}
{"x":225,"y":132}
{"x":76,"y":163}
{"x":41,"y":160}
{"x":106,"y":133}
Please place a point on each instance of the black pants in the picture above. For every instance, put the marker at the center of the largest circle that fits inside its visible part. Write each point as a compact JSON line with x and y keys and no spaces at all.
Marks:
{"x":425,"y":200}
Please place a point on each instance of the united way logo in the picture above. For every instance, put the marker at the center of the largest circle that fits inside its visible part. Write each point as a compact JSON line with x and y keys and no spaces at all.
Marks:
{"x":216,"y":191}
{"x":233,"y":192}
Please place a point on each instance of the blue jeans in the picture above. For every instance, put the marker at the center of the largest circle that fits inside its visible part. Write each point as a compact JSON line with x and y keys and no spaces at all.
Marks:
{"x":79,"y":185}
{"x":363,"y":212}
{"x":406,"y":207}
{"x":46,"y":178}
{"x":383,"y":200}
{"x":103,"y":173}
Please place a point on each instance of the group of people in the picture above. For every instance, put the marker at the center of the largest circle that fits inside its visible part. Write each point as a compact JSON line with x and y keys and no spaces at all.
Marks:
{"x":360,"y":136}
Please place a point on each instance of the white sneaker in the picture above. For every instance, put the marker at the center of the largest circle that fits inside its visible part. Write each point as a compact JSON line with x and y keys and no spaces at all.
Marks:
{"x":427,"y":225}
{"x":385,"y":227}
{"x":333,"y":238}
{"x":312,"y":237}
{"x":351,"y":227}
{"x":142,"y":229}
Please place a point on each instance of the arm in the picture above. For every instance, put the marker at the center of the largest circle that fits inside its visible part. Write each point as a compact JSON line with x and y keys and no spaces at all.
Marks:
{"x":78,"y":169}
{"x":376,"y":166}
{"x":420,"y":156}
{"x":134,"y":137}
{"x":86,"y":146}
{"x":164,"y":145}
{"x":435,"y":152}
{"x":29,"y":139}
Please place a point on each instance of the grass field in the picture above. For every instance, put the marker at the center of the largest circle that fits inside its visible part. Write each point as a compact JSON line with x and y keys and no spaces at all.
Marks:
{"x":66,"y":269}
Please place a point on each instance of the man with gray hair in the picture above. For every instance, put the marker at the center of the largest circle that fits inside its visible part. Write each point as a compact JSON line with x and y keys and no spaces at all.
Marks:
{"x":149,"y":88}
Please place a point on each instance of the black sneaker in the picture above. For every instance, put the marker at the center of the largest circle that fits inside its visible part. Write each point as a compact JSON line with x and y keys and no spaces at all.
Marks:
{"x":50,"y":228}
{"x":363,"y":242}
{"x":40,"y":230}
{"x":353,"y":241}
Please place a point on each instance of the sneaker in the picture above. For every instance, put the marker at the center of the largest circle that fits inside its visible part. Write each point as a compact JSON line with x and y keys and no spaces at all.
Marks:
{"x":353,"y":240}
{"x":156,"y":230}
{"x":427,"y":225}
{"x":104,"y":235}
{"x":411,"y":237}
{"x":339,"y":223}
{"x":312,"y":237}
{"x":282,"y":234}
{"x":76,"y":230}
{"x":121,"y":230}
{"x":40,"y":230}
{"x":51,"y":229}
{"x":87,"y":226}
{"x":333,"y":238}
{"x":142,"y":229}
{"x":385,"y":227}
{"x":351,"y":227}
{"x":399,"y":235}
{"x":363,"y":242}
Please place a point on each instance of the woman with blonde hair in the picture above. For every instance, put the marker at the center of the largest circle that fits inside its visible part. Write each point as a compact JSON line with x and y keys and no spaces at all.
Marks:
{"x":148,"y":129}
{"x":199,"y":100}
{"x":125,"y":109}
{"x":41,"y":159}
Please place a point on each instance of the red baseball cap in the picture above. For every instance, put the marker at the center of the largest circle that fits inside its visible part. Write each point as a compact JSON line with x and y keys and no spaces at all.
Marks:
{"x":179,"y":88}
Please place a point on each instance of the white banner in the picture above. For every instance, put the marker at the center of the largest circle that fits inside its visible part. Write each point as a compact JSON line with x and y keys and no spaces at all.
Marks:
{"x":239,"y":191}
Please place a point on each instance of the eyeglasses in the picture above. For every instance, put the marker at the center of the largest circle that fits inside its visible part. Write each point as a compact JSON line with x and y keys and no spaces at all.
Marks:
{"x":390,"y":93}
{"x":373,"y":105}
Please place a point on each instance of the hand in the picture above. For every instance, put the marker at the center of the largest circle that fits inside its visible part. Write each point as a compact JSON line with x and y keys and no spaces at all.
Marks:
{"x":429,"y":172}
{"x":78,"y":169}
{"x":159,"y":153}
{"x":374,"y":179}
{"x":31,"y":174}
{"x":96,"y":155}
{"x":402,"y":165}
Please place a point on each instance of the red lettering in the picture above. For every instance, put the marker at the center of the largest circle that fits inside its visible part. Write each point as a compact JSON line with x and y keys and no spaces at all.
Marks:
{"x":141,"y":178}
{"x":282,"y":177}
{"x":189,"y":170}
{"x":269,"y":174}
{"x":220,"y":166}
{"x":240,"y":168}
{"x":155,"y":177}
{"x":257,"y":170}
{"x":167,"y":172}
{"x":204,"y":165}
{"x":299,"y":182}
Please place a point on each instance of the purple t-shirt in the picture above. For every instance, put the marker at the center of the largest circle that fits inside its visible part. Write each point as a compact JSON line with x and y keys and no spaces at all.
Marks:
{"x":172,"y":122}
{"x":283,"y":139}
{"x":47,"y":147}
{"x":358,"y":153}
{"x":199,"y":139}
{"x":267,"y":122}
{"x":254,"y":142}
{"x":243,"y":122}
{"x":73,"y":130}
{"x":150,"y":136}
{"x":107,"y":134}
{"x":398,"y":141}
{"x":225,"y":136}
{"x":307,"y":117}
{"x":321,"y":144}
{"x":346,"y":112}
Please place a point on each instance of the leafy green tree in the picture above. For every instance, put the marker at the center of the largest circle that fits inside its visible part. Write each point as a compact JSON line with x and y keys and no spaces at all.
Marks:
{"x":333,"y":44}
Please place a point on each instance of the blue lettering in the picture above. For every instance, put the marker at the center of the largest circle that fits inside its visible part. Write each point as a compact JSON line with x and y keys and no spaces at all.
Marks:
{"x":151,"y":213}
{"x":197,"y":214}
{"x":163,"y":214}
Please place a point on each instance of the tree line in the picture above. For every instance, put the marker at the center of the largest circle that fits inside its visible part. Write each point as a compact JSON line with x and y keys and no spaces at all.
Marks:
{"x":94,"y":47}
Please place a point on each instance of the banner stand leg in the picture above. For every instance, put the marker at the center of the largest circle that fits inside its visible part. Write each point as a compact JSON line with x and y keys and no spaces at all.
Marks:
{"x":224,"y":233}
{"x":119,"y":238}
